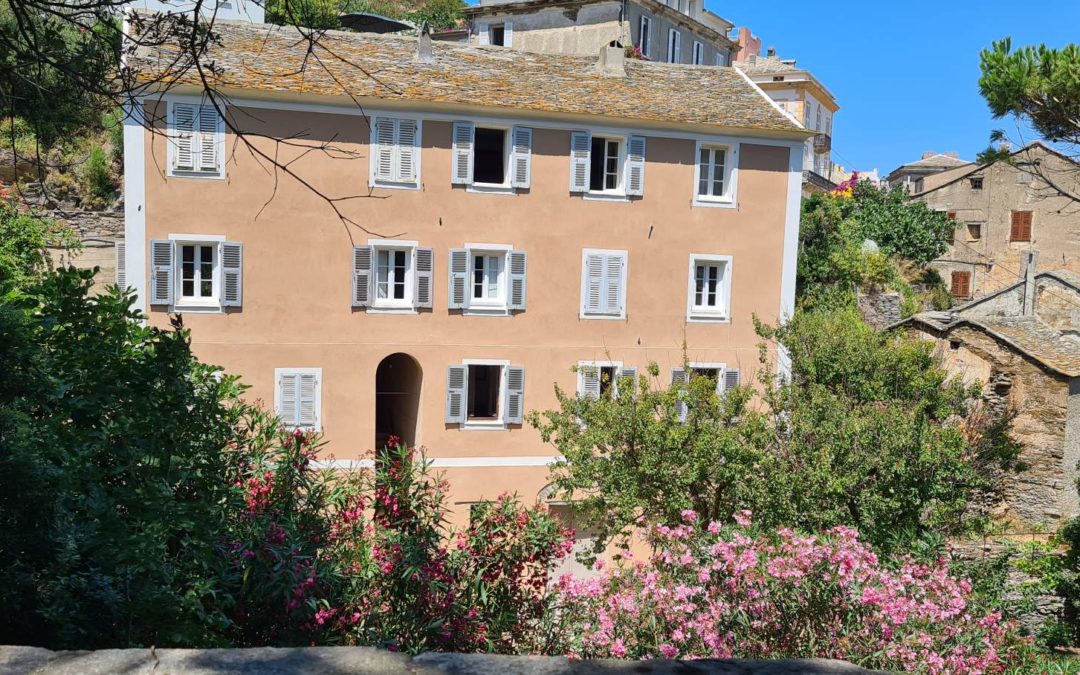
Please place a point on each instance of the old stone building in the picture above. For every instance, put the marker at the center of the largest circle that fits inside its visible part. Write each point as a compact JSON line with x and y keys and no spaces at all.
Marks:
{"x":1003,"y":210}
{"x":1022,"y":344}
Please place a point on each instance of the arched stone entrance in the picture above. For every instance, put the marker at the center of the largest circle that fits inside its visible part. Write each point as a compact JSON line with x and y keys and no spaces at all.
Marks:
{"x":397,"y":399}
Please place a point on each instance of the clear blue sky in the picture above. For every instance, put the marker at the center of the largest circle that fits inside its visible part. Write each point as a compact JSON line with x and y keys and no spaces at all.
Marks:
{"x":904,"y":74}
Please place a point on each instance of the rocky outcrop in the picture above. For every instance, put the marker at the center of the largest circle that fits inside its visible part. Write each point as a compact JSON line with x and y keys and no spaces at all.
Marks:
{"x":358,"y":660}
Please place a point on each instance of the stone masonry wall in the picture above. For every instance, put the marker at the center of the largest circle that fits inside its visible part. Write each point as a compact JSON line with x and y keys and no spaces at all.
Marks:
{"x":879,"y":309}
{"x":99,"y":232}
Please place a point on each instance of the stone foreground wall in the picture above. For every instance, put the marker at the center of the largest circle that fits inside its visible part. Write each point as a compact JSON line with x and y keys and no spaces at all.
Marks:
{"x":356,"y":660}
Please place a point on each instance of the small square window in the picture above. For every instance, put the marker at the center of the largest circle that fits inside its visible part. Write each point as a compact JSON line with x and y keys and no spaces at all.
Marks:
{"x":606,"y":160}
{"x":485,"y":387}
{"x":977,"y":183}
{"x":974,"y":231}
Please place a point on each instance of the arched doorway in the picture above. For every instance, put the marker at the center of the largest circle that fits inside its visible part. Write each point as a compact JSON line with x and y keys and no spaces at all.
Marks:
{"x":397,"y":399}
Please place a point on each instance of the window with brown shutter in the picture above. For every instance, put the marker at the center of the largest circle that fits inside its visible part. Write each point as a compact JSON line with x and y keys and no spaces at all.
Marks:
{"x":1021,"y":226}
{"x":961,"y":284}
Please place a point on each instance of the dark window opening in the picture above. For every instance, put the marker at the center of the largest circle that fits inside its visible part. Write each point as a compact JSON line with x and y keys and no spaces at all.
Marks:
{"x":711,"y":373}
{"x":484,"y":384}
{"x":489,"y":165}
{"x":954,"y":345}
{"x":607,"y":381}
{"x":604,"y":167}
{"x":974,"y":231}
{"x":498,"y":36}
{"x":977,"y":183}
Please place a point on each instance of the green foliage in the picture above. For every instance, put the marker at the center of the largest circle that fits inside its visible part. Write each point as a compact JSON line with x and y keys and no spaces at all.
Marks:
{"x":112,"y":122}
{"x":438,"y":14}
{"x":903,"y":228}
{"x":317,"y":14}
{"x":96,"y":175}
{"x":24,"y":240}
{"x":864,"y":435}
{"x":1040,"y":85}
{"x":323,"y":14}
{"x":1069,"y":586}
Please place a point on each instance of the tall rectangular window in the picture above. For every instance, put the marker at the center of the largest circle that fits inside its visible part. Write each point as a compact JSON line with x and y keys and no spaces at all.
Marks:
{"x":603,"y":284}
{"x":196,"y":140}
{"x":961,"y":284}
{"x":645,"y":36}
{"x":487,"y":277}
{"x":395,"y":160}
{"x":712,"y":173}
{"x":606,"y":160}
{"x":393,"y":275}
{"x":699,"y":53}
{"x":674,"y":46}
{"x":197,"y":262}
{"x":1020,"y":226}
{"x":709,"y":288}
{"x":490,"y":156}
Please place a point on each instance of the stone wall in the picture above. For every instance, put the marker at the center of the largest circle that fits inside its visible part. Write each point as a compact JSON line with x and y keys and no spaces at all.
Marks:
{"x":1057,"y":304}
{"x":99,"y":232}
{"x":879,"y":309}
{"x":358,"y":660}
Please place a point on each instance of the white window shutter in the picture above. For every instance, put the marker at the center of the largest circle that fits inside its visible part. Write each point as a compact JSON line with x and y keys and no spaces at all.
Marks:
{"x":208,"y":139}
{"x":407,"y":147}
{"x":514,"y":408}
{"x":593,"y":288}
{"x":288,"y":396}
{"x":482,"y":33}
{"x":635,"y":165}
{"x":458,"y":282}
{"x":731,"y":378}
{"x":464,"y":138}
{"x":628,"y":380}
{"x":613,"y":296}
{"x":232,"y":274}
{"x":308,"y":408}
{"x":456,"y":392}
{"x":521,"y":157}
{"x":383,"y":140}
{"x":183,"y":136}
{"x":121,"y":265}
{"x":425,"y":268}
{"x":361,"y":277}
{"x":508,"y":34}
{"x":518,"y":264}
{"x":580,"y":149}
{"x":679,"y":378}
{"x":589,"y":381}
{"x":161,"y":272}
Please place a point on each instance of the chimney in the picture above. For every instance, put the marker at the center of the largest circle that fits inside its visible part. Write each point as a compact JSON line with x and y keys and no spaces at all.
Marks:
{"x":952,"y":153}
{"x":928,"y":154}
{"x":612,"y":60}
{"x":1029,"y":282}
{"x":770,"y":52}
{"x":424,"y":51}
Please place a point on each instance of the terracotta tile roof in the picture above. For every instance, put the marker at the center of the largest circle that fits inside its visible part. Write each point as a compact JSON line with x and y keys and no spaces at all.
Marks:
{"x":277,"y":59}
{"x":1028,"y":335}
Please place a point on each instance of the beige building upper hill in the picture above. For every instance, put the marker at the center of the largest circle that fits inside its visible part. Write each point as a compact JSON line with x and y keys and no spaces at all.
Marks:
{"x":506,"y":217}
{"x":1003,"y":210}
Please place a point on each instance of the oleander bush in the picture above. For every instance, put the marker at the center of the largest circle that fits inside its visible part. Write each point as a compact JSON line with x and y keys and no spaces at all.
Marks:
{"x":723,"y":591}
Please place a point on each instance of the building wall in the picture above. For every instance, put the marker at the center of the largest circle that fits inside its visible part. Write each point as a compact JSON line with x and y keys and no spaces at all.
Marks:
{"x":660,"y":27}
{"x":1044,"y":495}
{"x":1058,"y":305}
{"x":297,"y":277}
{"x":993,"y":259}
{"x":250,"y":10}
{"x":559,"y":30}
{"x":794,"y":98}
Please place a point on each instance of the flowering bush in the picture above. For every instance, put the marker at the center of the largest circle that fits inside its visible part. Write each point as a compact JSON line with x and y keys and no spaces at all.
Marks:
{"x":722,"y":592}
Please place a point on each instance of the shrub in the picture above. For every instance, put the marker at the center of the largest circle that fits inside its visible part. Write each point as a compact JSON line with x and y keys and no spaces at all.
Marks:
{"x":722,"y":592}
{"x":24,"y":243}
{"x":96,"y":176}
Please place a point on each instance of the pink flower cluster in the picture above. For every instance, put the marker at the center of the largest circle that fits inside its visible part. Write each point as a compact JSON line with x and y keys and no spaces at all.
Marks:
{"x":715,"y":591}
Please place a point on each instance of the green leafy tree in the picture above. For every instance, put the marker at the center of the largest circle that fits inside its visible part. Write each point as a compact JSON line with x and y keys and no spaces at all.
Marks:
{"x":864,"y":434}
{"x":24,"y":243}
{"x":903,"y":228}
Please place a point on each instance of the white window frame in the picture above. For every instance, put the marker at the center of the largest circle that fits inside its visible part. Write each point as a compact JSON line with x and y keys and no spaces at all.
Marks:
{"x":500,"y":306}
{"x":619,"y":193}
{"x":645,"y":42}
{"x":704,"y":314}
{"x":219,"y":141}
{"x":699,"y":53}
{"x":721,"y":369}
{"x":212,"y":304}
{"x":317,"y":372}
{"x":617,"y":365}
{"x":731,"y":175}
{"x":373,"y":146}
{"x":391,"y":305}
{"x":674,"y":46}
{"x":507,"y":186}
{"x":499,"y":423}
{"x":585,"y":253}
{"x":720,"y":59}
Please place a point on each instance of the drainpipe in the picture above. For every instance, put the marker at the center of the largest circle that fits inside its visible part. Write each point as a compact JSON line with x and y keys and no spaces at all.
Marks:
{"x":1029,"y":282}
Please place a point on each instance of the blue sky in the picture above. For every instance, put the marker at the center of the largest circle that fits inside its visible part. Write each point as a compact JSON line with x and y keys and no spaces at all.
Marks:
{"x":904,"y":74}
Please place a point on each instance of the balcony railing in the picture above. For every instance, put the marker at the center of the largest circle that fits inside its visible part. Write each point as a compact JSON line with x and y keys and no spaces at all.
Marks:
{"x":822,"y":143}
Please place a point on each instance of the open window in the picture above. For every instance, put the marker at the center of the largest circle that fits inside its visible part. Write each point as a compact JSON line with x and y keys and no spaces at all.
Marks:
{"x":606,"y":159}
{"x":485,"y":394}
{"x":497,"y":34}
{"x":607,"y":166}
{"x":601,"y":379}
{"x":724,"y":378}
{"x":491,"y":159}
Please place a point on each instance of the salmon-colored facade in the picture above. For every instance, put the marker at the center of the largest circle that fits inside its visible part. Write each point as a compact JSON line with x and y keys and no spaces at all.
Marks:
{"x":297,"y":286}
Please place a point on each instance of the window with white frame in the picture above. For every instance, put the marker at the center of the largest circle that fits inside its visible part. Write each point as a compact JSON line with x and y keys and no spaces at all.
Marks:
{"x":196,"y":140}
{"x":395,"y":159}
{"x":699,"y":53}
{"x":606,"y":162}
{"x":392,"y":276}
{"x":720,"y":59}
{"x":674,"y":49}
{"x":499,"y":158}
{"x":607,"y":166}
{"x":195,"y":272}
{"x":714,"y":173}
{"x":603,"y":284}
{"x":709,"y":289}
{"x":645,"y":36}
{"x":497,"y":34}
{"x":298,"y":397}
{"x":484,"y":393}
{"x":724,"y":379}
{"x":487,"y":279}
{"x":601,"y":379}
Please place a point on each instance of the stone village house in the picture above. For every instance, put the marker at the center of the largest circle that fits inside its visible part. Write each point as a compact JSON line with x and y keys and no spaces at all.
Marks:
{"x":528,"y":213}
{"x":1023,"y":344}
